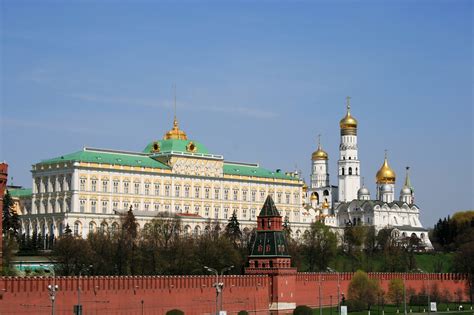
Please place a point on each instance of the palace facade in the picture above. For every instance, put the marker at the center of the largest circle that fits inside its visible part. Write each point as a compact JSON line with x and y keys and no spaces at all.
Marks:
{"x":88,"y":189}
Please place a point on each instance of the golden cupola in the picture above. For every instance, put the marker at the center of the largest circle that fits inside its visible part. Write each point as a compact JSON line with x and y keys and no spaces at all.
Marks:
{"x":319,"y":154}
{"x":348,"y":124}
{"x":175,"y":133}
{"x":385,"y":175}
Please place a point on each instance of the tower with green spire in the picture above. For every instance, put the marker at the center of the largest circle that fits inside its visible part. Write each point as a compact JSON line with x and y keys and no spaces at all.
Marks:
{"x":269,"y":256}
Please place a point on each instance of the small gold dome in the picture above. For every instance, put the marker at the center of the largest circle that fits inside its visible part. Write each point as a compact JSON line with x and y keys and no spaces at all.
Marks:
{"x":385,"y":175}
{"x":319,"y":154}
{"x":325,"y":204}
{"x":305,"y":188}
{"x":314,"y":197}
{"x":175,"y":133}
{"x":348,"y":122}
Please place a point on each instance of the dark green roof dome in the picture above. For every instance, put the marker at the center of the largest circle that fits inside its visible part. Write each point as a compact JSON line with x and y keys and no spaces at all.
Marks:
{"x":176,"y":145}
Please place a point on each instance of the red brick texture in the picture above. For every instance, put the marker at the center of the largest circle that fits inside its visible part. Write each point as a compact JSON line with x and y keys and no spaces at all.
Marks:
{"x":191,"y":294}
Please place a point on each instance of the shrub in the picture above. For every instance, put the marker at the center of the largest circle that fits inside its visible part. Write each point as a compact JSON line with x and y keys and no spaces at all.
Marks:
{"x":175,"y":312}
{"x":243,"y":313}
{"x":303,"y":310}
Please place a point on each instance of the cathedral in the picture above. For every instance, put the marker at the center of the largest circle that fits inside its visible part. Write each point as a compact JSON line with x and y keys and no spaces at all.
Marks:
{"x":87,"y":190}
{"x":349,"y":203}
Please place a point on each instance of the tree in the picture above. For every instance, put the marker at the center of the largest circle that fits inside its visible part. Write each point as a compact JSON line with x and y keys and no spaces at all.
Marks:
{"x":71,"y":254}
{"x":10,"y":220}
{"x":395,"y":291}
{"x":354,"y":239}
{"x":362,"y":291}
{"x":232,"y":230}
{"x":463,"y":261}
{"x":320,"y":246}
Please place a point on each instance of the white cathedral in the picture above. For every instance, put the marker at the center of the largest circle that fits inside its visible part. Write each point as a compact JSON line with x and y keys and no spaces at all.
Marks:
{"x":349,"y":203}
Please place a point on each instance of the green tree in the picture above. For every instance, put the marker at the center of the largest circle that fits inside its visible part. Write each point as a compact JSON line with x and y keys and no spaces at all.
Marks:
{"x":395,"y":291}
{"x":71,"y":254}
{"x":10,"y":220}
{"x":353,"y":243}
{"x":362,"y":291}
{"x":463,"y":261}
{"x":320,"y":246}
{"x":232,"y":230}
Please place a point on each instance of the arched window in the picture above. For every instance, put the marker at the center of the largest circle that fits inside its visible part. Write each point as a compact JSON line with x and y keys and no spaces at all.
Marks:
{"x":357,"y":171}
{"x":350,"y":170}
{"x":342,"y":171}
{"x":326,"y":192}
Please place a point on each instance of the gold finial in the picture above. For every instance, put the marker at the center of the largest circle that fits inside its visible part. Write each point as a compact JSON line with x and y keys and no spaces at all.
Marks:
{"x":386,"y":153}
{"x":319,"y":141}
{"x":175,"y":133}
{"x":348,"y":103}
{"x":363,"y":179}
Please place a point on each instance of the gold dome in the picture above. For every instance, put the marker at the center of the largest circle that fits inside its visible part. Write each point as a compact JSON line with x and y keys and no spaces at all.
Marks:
{"x":385,"y":175}
{"x":305,"y":187}
{"x":348,"y":122}
{"x":175,"y":133}
{"x":314,"y":197}
{"x":325,"y":204}
{"x":319,"y":154}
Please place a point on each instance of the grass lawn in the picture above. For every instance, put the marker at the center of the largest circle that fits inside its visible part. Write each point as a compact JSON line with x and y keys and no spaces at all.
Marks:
{"x":411,"y":309}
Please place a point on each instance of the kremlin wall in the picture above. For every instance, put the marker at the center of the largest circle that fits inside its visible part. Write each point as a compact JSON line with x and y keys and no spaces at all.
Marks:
{"x":191,"y":294}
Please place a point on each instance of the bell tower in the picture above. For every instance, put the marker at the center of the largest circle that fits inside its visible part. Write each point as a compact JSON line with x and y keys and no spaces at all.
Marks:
{"x":269,"y":256}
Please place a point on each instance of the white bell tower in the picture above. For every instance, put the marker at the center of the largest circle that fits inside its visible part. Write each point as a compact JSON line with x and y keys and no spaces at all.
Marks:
{"x":348,"y":164}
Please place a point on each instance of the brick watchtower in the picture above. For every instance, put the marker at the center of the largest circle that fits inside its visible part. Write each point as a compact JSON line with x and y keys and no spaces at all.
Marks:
{"x":269,"y":255}
{"x":3,"y":184}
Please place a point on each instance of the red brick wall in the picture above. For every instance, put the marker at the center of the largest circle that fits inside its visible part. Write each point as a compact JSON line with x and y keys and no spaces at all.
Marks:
{"x":123,"y":295}
{"x":307,"y":285}
{"x":192,"y":294}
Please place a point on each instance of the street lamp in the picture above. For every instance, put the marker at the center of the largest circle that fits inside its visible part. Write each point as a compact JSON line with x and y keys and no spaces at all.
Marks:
{"x":218,"y":285}
{"x":338,"y":287}
{"x":428,"y":290}
{"x":52,"y":288}
{"x":78,"y":307}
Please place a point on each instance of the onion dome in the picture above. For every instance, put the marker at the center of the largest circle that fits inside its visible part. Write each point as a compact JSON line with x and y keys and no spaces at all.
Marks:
{"x":405,"y":190}
{"x":175,"y":133}
{"x":363,"y":191}
{"x":319,"y":154}
{"x":313,"y":197}
{"x":385,"y":175}
{"x":325,"y":204}
{"x":305,"y":187}
{"x":348,"y":124}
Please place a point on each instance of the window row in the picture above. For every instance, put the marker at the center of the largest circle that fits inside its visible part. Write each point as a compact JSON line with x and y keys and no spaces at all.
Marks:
{"x":206,"y":193}
{"x":52,"y":184}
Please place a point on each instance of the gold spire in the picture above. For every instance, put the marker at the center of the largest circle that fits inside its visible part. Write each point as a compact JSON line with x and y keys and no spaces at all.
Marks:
{"x":319,"y":154}
{"x":385,"y":175}
{"x":175,"y":133}
{"x":348,"y":122}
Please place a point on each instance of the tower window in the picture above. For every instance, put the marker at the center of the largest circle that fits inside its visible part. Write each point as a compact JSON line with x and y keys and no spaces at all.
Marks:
{"x":350,"y":158}
{"x":350,"y":170}
{"x":342,"y":171}
{"x":357,"y":171}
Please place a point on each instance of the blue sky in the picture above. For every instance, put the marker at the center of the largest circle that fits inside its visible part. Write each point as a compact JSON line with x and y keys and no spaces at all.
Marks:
{"x":256,"y":82}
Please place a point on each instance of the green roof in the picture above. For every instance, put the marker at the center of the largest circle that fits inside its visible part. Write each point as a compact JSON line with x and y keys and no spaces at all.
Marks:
{"x":249,"y":170}
{"x":269,"y":209}
{"x":177,"y":146}
{"x":19,"y":192}
{"x":107,"y":157}
{"x":270,"y":244}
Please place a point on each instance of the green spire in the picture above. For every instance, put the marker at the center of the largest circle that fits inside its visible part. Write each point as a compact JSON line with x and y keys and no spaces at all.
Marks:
{"x":269,"y":209}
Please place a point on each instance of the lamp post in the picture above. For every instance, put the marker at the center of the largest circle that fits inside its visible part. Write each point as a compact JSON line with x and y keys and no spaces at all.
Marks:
{"x":79,"y":306}
{"x":428,"y":289}
{"x":52,"y":288}
{"x":219,"y":285}
{"x":338,"y":287}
